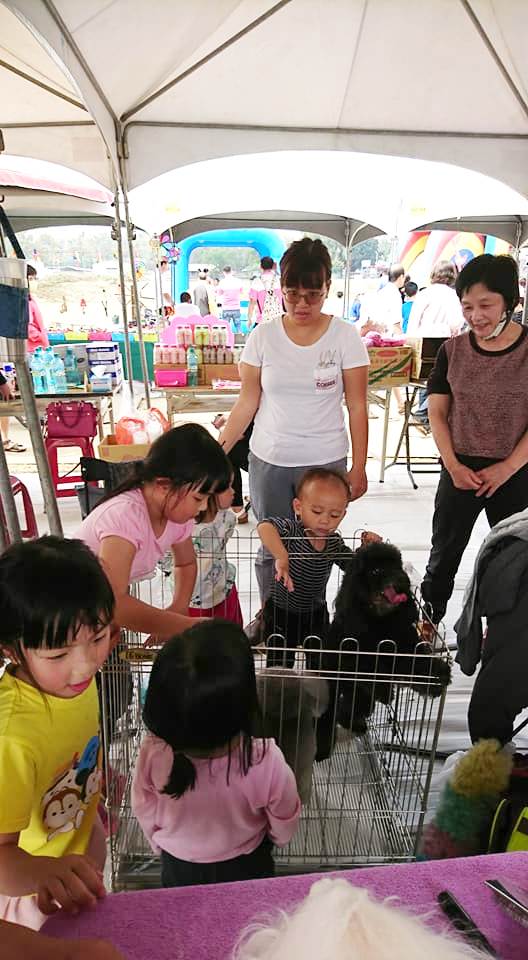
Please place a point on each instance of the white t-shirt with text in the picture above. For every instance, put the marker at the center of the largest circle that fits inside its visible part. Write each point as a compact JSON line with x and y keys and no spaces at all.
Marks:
{"x":300,"y":419}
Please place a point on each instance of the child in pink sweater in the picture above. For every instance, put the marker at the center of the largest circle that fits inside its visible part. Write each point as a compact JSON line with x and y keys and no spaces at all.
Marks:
{"x":210,"y":796}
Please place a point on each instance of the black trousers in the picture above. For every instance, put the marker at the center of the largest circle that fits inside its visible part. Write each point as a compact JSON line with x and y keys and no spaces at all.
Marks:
{"x":257,"y":865}
{"x":455,"y":515}
{"x":295,"y":626}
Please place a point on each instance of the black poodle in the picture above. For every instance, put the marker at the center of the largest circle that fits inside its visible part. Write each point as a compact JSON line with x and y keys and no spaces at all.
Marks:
{"x":374,"y":627}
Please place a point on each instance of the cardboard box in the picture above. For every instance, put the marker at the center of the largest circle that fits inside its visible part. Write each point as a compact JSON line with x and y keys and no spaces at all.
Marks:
{"x":415,"y":343}
{"x":121,"y":452}
{"x":390,"y":366}
{"x":220,"y":371}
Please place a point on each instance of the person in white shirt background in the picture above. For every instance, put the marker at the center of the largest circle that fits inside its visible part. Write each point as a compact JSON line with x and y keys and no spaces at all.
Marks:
{"x":295,"y":371}
{"x":436,"y":312}
{"x":385,"y":307}
{"x":185,"y":308}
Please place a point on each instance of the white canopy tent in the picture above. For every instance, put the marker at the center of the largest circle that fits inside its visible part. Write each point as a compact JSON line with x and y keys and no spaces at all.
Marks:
{"x":393,"y":194}
{"x":173,"y":84}
{"x":33,"y":195}
{"x":337,"y":228}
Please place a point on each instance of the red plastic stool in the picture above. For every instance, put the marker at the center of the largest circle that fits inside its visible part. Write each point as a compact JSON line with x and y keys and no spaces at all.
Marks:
{"x":31,"y":529}
{"x":64,"y":485}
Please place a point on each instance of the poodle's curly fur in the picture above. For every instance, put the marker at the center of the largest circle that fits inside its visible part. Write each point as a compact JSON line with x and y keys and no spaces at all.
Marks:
{"x":375,"y":628}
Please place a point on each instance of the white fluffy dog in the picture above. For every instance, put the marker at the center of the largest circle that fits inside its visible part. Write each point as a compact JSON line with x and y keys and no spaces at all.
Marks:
{"x":338,"y":921}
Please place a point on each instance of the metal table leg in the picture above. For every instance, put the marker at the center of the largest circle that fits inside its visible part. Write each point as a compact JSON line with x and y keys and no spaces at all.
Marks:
{"x":388,"y":394}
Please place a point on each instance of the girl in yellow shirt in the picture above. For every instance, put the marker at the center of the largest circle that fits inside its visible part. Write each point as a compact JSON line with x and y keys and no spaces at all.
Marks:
{"x":56,"y":608}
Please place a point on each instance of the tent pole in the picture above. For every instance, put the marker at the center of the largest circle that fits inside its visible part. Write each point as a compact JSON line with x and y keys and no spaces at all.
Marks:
{"x":15,"y":351}
{"x":129,"y":228}
{"x":346,"y":298}
{"x":350,"y":241}
{"x":119,"y":238}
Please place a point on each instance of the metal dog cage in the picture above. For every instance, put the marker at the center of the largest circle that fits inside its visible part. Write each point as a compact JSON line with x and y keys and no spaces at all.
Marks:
{"x":365,"y":804}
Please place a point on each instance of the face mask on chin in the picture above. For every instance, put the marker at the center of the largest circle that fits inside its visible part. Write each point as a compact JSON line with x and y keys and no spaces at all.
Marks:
{"x":499,"y":328}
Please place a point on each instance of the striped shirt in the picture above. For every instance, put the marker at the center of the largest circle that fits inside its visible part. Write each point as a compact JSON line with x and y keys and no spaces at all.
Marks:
{"x":310,"y":569}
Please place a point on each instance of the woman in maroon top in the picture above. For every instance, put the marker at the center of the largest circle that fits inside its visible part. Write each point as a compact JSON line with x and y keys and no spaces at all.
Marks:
{"x":478,"y":409}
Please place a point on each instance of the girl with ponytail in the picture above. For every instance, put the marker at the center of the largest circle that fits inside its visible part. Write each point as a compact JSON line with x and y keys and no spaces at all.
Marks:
{"x":210,"y":795}
{"x":151,"y":513}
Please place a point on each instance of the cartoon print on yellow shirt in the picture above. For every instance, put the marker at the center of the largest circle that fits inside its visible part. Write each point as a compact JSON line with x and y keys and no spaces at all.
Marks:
{"x":65,"y":803}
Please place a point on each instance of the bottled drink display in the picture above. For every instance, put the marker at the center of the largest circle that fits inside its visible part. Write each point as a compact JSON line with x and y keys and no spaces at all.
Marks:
{"x":37,"y":370}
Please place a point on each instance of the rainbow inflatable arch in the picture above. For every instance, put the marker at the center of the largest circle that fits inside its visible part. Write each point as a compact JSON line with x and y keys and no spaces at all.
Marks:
{"x":459,"y":247}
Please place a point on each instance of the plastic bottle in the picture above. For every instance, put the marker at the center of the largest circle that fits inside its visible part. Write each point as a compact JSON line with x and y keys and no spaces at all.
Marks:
{"x":157,"y":352}
{"x":47,"y":375}
{"x":37,"y":370}
{"x":73,"y":377}
{"x":59,"y":375}
{"x":192,"y":367}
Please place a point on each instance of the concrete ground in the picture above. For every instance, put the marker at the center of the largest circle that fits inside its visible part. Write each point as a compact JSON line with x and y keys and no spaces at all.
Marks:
{"x":393,"y":508}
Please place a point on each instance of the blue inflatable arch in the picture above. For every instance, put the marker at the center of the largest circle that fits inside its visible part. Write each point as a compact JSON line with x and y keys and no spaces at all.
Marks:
{"x":267,"y":243}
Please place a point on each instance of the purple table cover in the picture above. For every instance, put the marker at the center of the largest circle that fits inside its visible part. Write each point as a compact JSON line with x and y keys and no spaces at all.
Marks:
{"x":203,"y":923}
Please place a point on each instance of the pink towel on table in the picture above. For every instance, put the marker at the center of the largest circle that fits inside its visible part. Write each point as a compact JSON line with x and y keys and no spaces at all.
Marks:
{"x":203,"y":923}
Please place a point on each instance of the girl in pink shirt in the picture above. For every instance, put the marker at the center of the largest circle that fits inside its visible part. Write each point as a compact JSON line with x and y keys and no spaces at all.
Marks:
{"x":210,"y":796}
{"x":153,"y":513}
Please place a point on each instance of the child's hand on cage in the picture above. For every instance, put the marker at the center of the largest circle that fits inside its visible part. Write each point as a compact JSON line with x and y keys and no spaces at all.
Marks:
{"x":282,"y":573}
{"x":72,"y":882}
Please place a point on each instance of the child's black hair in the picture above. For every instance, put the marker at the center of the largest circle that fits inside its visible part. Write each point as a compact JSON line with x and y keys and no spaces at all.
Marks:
{"x":185,"y":456}
{"x":323,"y":475}
{"x":49,"y":588}
{"x":202,"y":694}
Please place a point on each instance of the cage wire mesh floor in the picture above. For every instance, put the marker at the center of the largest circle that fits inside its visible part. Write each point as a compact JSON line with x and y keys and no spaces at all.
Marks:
{"x":365,"y":804}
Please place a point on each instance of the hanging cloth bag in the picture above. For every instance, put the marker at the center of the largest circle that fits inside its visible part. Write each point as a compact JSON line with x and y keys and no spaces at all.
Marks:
{"x":14,"y":294}
{"x":271,"y":308}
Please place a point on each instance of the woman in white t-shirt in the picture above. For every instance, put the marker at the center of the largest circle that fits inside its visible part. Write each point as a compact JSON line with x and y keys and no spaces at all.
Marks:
{"x":295,"y":373}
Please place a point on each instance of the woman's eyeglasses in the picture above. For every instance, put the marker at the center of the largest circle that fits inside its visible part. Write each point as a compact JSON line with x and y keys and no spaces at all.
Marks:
{"x":294,"y":295}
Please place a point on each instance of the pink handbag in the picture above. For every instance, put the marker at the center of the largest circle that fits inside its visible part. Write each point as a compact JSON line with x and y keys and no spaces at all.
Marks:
{"x":72,"y":418}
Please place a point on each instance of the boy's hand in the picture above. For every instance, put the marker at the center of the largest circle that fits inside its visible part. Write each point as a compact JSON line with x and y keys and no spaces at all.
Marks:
{"x":282,"y":573}
{"x":73,"y":882}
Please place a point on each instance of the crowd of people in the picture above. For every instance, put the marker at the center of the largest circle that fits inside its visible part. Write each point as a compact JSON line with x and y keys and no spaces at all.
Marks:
{"x":210,"y":791}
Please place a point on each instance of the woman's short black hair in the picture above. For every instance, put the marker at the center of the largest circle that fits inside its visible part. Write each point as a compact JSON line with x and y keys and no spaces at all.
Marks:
{"x":499,"y":274}
{"x":202,"y":693}
{"x":306,"y":263}
{"x":186,"y":456}
{"x":48,"y":589}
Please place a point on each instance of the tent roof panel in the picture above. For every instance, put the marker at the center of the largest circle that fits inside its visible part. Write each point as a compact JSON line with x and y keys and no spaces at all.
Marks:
{"x":513,"y":227}
{"x":336,"y":75}
{"x":327,"y":225}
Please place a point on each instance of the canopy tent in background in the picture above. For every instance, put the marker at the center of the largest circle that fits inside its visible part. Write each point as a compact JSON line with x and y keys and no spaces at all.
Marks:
{"x":512,"y":228}
{"x":169,"y":84}
{"x":322,"y":188}
{"x":37,"y":194}
{"x":326,"y":225}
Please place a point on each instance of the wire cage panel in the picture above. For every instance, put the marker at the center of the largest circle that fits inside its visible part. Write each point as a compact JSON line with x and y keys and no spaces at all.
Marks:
{"x":364,"y":804}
